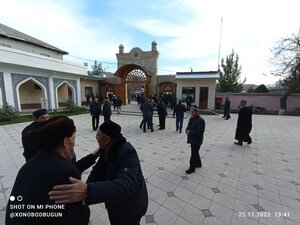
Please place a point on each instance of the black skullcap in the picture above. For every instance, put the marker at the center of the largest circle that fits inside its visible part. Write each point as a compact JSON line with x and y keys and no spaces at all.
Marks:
{"x":51,"y":133}
{"x":110,"y":129}
{"x":39,"y":113}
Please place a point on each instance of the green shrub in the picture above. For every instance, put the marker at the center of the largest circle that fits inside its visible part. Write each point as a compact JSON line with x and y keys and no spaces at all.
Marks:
{"x":8,"y":113}
{"x":71,"y":107}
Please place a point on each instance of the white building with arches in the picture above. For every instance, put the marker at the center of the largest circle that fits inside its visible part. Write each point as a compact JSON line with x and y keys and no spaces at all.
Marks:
{"x":33,"y":73}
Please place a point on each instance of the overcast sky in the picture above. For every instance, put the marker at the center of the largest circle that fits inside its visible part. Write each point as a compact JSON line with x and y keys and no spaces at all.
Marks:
{"x":187,"y":32}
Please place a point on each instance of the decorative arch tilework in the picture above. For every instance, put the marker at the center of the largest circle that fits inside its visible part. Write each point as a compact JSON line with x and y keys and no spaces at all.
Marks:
{"x":2,"y":88}
{"x":18,"y":78}
{"x":57,"y":82}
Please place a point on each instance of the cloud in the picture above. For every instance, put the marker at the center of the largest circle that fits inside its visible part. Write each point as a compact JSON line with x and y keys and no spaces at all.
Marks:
{"x":187,"y":31}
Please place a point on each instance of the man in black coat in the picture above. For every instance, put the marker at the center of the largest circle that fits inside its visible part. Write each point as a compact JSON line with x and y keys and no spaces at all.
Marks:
{"x":179,"y":110}
{"x":244,"y":124}
{"x":52,"y":166}
{"x":147,"y":110}
{"x":95,"y":110}
{"x":40,"y":115}
{"x":116,"y":179}
{"x":106,"y":109}
{"x":162,"y":114}
{"x":227,"y":108}
{"x":195,"y":130}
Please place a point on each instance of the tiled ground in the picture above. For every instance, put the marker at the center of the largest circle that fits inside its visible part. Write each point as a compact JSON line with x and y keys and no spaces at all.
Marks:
{"x":237,"y":185}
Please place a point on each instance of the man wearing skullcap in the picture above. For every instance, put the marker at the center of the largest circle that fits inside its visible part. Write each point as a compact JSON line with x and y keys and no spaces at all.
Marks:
{"x":40,"y":116}
{"x":52,"y":166}
{"x":116,"y":179}
{"x":194,"y":131}
{"x":179,"y":110}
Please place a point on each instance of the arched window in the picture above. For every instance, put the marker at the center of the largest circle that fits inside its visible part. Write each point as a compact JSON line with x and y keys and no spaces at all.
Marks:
{"x":136,"y":75}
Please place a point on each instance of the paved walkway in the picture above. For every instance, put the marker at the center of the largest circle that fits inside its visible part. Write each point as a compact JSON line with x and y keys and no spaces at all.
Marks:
{"x":248,"y":185}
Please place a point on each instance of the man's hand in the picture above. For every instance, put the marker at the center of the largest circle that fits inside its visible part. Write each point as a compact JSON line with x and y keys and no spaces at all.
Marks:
{"x":69,"y":193}
{"x":187,"y":132}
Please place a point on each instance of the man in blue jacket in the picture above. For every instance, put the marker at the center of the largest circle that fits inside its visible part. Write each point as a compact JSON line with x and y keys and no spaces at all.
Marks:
{"x":194,"y":131}
{"x":116,"y":179}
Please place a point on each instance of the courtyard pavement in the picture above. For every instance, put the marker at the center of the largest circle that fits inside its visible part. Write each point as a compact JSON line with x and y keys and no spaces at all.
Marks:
{"x":241,"y":185}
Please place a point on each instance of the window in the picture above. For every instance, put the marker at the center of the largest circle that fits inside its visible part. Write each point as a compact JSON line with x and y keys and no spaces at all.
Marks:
{"x":188,"y":91}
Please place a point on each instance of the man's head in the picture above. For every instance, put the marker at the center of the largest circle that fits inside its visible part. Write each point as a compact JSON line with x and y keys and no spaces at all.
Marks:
{"x":105,"y":99}
{"x":40,"y":115}
{"x":194,"y":110}
{"x":179,"y":101}
{"x":107,"y":133}
{"x":243,"y":103}
{"x":56,"y":134}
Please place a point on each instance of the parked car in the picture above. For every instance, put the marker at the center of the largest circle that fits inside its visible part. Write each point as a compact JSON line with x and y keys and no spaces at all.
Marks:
{"x":258,"y":109}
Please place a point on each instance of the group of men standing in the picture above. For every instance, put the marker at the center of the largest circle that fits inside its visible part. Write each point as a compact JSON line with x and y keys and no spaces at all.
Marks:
{"x":50,"y":176}
{"x":96,"y":111}
{"x":116,"y":177}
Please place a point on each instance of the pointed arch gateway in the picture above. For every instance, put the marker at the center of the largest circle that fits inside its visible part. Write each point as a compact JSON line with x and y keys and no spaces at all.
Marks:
{"x":29,"y":94}
{"x":132,"y":79}
{"x":64,"y":92}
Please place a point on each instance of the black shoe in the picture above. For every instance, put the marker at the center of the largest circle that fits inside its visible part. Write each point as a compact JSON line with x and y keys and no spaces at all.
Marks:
{"x":238,"y":143}
{"x":141,"y":127}
{"x":189,"y":171}
{"x":249,"y":142}
{"x":199,"y":165}
{"x":152,"y":130}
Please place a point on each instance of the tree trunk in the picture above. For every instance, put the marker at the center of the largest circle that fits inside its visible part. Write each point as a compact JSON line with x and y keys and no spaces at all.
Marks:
{"x":283,"y":100}
{"x":282,"y":109}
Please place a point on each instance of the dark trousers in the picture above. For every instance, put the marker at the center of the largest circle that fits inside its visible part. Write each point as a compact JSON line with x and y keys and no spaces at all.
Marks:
{"x":147,"y":120}
{"x":195,"y":160}
{"x":95,"y":122}
{"x":162,"y":122}
{"x":179,"y":122}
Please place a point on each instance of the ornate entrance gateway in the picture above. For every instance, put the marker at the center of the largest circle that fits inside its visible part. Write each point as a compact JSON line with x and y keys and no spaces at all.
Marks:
{"x":136,"y":73}
{"x":136,"y":82}
{"x":132,"y":80}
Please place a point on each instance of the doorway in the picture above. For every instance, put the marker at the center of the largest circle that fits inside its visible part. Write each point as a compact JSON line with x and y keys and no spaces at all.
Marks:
{"x":203,"y":98}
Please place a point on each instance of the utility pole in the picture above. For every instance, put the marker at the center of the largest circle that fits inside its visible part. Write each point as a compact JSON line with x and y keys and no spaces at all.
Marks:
{"x":220,"y":43}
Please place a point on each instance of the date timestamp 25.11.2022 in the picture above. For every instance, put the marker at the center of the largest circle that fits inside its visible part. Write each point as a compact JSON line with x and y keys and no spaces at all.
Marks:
{"x":263,"y":214}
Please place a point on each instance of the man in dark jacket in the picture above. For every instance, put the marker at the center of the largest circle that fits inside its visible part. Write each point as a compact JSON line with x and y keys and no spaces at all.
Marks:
{"x":195,"y":130}
{"x":147,"y":110}
{"x":162,"y":114}
{"x":227,"y":109}
{"x":52,"y":166}
{"x":95,"y":110}
{"x":40,"y":115}
{"x":244,"y":124}
{"x":179,"y":110}
{"x":106,"y":109}
{"x":116,"y":179}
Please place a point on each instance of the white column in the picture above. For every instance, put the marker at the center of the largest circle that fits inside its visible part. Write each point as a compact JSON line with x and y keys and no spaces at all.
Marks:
{"x":52,"y":94}
{"x":78,"y":91}
{"x":8,"y":89}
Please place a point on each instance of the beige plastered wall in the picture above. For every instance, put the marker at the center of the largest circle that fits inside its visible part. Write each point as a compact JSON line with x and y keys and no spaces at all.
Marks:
{"x":29,"y":94}
{"x":88,"y":83}
{"x":197,"y":83}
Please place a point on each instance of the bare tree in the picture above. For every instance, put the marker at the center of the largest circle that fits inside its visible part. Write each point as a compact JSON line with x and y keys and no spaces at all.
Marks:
{"x":286,"y":58}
